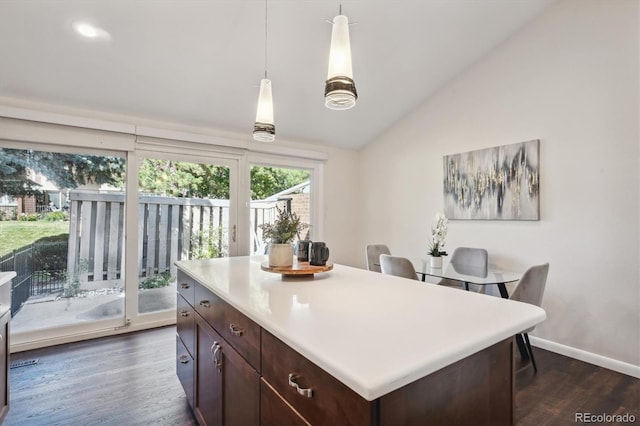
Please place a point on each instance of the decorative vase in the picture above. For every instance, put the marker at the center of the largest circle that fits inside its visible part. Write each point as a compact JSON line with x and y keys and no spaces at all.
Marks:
{"x":436,"y":261}
{"x":280,"y":255}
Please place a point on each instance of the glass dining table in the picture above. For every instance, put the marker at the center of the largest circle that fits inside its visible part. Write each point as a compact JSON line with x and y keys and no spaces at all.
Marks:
{"x":467,"y":275}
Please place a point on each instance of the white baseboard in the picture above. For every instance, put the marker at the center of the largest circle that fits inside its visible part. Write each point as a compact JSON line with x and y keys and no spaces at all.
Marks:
{"x":591,"y":358}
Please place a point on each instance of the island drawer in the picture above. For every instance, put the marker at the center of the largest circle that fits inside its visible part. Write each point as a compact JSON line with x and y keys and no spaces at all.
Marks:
{"x":312,"y":392}
{"x":275,"y":411}
{"x":185,"y":370}
{"x":186,"y":324}
{"x":236,"y":328}
{"x":186,"y":287}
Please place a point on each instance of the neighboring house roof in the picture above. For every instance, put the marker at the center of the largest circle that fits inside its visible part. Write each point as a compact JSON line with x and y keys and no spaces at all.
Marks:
{"x":301,"y":187}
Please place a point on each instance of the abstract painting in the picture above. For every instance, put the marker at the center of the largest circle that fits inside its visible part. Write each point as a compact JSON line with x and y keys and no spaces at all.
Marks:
{"x":495,"y":183}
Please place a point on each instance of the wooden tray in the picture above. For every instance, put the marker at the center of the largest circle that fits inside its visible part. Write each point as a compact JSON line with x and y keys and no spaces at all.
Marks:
{"x":297,"y":270}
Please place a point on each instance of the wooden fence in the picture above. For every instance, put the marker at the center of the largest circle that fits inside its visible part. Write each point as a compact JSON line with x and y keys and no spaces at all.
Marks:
{"x":169,"y":229}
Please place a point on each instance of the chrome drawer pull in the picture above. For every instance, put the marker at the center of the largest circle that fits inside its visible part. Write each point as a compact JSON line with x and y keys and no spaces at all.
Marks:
{"x":304,"y":392}
{"x":184,"y":313}
{"x":235,"y":330}
{"x":184,"y":359}
{"x":205,"y":303}
{"x":184,"y":285}
{"x":215,"y":355}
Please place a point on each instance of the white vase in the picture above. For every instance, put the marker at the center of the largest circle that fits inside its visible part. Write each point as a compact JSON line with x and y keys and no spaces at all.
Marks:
{"x":280,"y":255}
{"x":436,"y":261}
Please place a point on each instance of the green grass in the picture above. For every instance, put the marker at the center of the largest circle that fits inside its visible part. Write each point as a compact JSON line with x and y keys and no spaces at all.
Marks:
{"x":16,"y":234}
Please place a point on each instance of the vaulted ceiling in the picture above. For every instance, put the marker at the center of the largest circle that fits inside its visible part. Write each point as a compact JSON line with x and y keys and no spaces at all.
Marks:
{"x":199,"y":62}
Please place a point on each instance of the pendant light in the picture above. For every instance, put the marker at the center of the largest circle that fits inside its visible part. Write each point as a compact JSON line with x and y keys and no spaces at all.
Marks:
{"x":340,"y":89}
{"x":264,"y":130}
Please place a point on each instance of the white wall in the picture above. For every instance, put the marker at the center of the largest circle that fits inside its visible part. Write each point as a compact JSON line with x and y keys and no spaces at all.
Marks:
{"x":340,"y":210}
{"x":570,"y":79}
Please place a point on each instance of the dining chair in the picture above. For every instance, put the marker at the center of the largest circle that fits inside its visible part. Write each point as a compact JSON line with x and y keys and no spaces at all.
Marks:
{"x":530,"y":289}
{"x":373,"y":252}
{"x":398,"y":266}
{"x":473,"y":260}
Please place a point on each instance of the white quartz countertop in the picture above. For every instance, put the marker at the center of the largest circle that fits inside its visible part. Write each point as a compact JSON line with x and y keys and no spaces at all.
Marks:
{"x":6,"y":277}
{"x":373,"y":332}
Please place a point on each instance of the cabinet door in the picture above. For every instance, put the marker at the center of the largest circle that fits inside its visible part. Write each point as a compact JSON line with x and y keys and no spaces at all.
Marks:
{"x":228,"y":388}
{"x":208,"y":399}
{"x":241,"y":389}
{"x":4,"y":364}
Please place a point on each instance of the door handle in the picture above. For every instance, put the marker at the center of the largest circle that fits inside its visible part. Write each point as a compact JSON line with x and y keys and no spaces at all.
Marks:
{"x":215,"y":355}
{"x":308,"y":392}
{"x":233,"y":233}
{"x":235,"y":330}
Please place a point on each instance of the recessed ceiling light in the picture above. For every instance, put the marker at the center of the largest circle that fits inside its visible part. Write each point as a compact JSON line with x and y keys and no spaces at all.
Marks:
{"x":90,"y":31}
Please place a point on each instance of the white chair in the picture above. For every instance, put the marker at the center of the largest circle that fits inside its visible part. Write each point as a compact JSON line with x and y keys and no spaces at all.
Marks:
{"x":373,"y":252}
{"x":398,"y":266}
{"x":530,"y":289}
{"x":468,"y":261}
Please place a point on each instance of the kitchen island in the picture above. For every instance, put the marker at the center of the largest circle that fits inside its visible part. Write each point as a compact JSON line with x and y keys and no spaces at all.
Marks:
{"x":347,"y":346}
{"x":5,"y":318}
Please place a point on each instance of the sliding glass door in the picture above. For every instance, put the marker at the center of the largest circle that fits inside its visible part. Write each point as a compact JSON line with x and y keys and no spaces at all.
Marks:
{"x":186,"y":210}
{"x":62,"y":231}
{"x":67,"y":216}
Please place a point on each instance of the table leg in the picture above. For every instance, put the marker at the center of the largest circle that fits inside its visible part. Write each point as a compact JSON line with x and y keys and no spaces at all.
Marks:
{"x":503,"y":290}
{"x":466,"y":286}
{"x":522,"y":347}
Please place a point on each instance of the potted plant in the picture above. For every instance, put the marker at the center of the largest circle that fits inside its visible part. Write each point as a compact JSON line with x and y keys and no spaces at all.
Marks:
{"x":280,"y":235}
{"x":436,"y":243}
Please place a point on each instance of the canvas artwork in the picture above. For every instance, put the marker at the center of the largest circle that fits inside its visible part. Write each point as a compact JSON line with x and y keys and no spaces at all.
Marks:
{"x":493,"y":183}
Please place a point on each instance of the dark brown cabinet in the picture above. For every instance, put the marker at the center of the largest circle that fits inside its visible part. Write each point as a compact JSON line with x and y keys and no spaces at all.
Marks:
{"x":315,"y":394}
{"x":185,"y":338}
{"x":218,"y":357}
{"x":228,"y":388}
{"x":4,"y":364}
{"x":5,"y":317}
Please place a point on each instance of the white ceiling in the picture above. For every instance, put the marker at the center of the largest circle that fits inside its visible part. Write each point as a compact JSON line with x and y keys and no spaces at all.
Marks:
{"x":199,"y":62}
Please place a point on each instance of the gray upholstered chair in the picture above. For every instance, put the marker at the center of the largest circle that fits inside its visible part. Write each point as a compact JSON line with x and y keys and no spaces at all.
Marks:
{"x":373,"y":252}
{"x":530,"y":289}
{"x":468,"y":261}
{"x":398,"y":266}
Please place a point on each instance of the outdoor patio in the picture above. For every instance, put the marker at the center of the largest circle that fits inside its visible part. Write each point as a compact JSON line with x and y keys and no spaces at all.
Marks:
{"x":51,"y":310}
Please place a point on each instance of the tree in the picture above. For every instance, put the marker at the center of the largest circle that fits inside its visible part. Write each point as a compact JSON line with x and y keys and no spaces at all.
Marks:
{"x":182,"y":179}
{"x":266,"y":181}
{"x":63,"y":170}
{"x":166,"y":177}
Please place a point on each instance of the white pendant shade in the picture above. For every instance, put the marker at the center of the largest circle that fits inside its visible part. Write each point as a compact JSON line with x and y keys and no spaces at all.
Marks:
{"x":264,"y":129}
{"x":340,"y":90}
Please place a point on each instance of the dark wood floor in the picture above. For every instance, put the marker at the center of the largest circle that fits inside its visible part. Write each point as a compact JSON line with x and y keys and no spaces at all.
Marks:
{"x":130,"y":380}
{"x":122,"y":380}
{"x":564,"y":387}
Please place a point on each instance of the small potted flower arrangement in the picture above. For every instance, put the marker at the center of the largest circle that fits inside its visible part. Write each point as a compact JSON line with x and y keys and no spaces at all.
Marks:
{"x":280,"y":235}
{"x":436,"y":243}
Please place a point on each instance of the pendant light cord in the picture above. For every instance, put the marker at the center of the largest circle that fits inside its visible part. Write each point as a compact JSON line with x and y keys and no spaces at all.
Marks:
{"x":265,"y":38}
